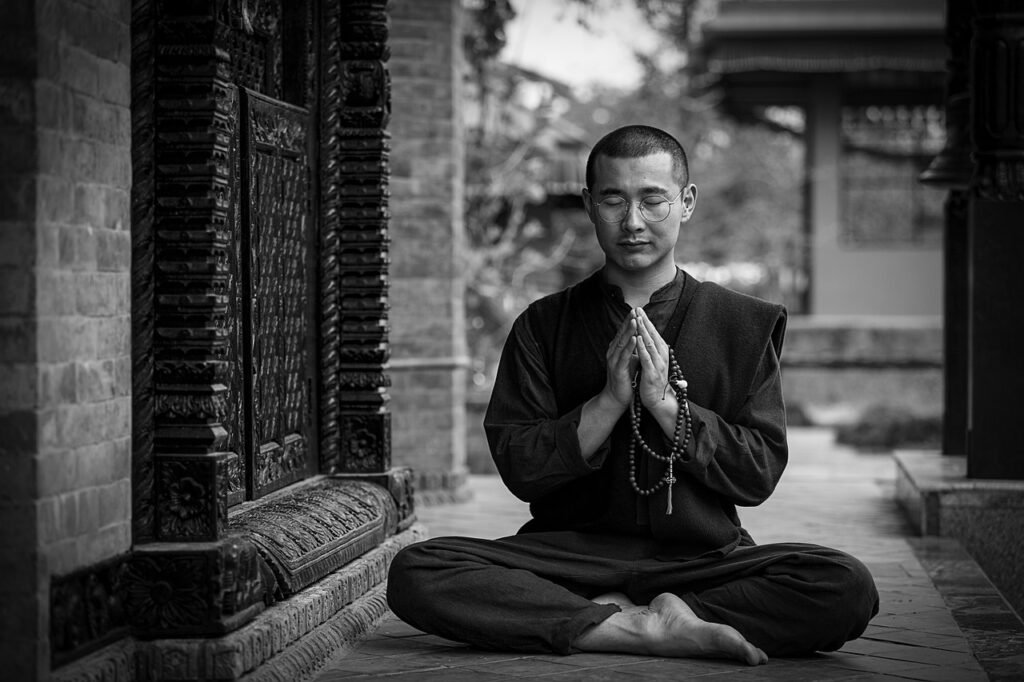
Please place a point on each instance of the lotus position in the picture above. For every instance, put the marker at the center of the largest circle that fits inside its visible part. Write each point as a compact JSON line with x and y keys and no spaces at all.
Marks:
{"x":635,"y":411}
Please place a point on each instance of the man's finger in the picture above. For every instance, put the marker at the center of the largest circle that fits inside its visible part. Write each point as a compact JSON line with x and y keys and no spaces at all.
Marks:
{"x":652,"y":331}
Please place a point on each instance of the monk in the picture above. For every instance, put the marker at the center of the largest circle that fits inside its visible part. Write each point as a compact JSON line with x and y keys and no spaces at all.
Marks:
{"x":635,"y":411}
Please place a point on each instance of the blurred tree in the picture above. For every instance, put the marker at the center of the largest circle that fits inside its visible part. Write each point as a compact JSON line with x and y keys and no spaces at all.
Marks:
{"x":749,"y":177}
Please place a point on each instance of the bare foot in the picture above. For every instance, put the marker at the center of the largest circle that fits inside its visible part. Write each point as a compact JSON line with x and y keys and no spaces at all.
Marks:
{"x":675,"y":630}
{"x":668,"y":627}
{"x":614,"y":598}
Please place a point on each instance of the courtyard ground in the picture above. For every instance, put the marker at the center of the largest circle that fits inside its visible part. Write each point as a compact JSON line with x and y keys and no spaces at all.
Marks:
{"x":940,"y":619}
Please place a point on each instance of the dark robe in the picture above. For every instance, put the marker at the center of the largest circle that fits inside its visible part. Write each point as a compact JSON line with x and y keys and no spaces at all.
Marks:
{"x":727,"y":345}
{"x":591,"y":534}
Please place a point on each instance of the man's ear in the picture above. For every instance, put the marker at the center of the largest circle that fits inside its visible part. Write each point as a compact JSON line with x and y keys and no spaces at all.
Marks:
{"x":689,"y":201}
{"x":588,"y":204}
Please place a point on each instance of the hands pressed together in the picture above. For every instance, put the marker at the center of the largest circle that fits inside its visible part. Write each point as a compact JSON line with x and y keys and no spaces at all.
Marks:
{"x":639,"y":353}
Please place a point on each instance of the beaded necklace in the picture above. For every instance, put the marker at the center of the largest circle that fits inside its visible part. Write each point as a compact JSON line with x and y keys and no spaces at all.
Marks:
{"x":680,"y":436}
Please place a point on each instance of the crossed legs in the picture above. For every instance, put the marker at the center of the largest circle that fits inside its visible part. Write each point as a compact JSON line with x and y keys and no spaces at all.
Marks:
{"x":566,"y":592}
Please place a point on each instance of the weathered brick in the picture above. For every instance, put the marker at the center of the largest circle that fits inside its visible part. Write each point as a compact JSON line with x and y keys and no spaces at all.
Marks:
{"x":47,"y":245}
{"x":89,"y":205}
{"x":61,"y":339}
{"x":87,"y":518}
{"x":123,"y":376}
{"x":99,"y":464}
{"x":46,"y":432}
{"x":58,"y":474}
{"x":19,"y":527}
{"x":77,"y":248}
{"x":55,"y":293}
{"x":115,"y":82}
{"x":117,"y":205}
{"x":17,"y":195}
{"x":103,"y":294}
{"x":79,"y":69}
{"x":17,"y":385}
{"x":80,"y":425}
{"x":19,"y":150}
{"x":17,"y":477}
{"x":95,"y":381}
{"x":112,"y":164}
{"x":52,"y":105}
{"x":113,"y":336}
{"x":17,"y":244}
{"x":105,"y":543}
{"x":115,"y":503}
{"x":18,"y":291}
{"x":101,"y":34}
{"x":113,"y":250}
{"x":16,"y":103}
{"x":52,"y":518}
{"x":62,"y":556}
{"x":55,"y":199}
{"x":17,"y":339}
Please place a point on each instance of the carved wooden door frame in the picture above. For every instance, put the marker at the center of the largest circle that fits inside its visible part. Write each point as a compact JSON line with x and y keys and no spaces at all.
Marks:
{"x":185,"y":105}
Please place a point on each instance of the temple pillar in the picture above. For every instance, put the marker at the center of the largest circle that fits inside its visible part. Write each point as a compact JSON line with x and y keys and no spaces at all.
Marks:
{"x":429,"y":360}
{"x":996,"y":243}
{"x":978,"y":497}
{"x":952,"y":170}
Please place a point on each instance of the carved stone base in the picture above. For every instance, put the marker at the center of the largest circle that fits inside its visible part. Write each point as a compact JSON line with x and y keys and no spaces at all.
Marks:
{"x":113,"y":663}
{"x":290,"y":640}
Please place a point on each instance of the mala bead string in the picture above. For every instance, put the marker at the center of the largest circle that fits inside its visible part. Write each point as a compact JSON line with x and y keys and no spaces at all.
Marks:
{"x":680,"y":435}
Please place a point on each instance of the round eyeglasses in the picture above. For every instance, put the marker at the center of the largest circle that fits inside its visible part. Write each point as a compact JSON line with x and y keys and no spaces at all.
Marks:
{"x":654,"y":209}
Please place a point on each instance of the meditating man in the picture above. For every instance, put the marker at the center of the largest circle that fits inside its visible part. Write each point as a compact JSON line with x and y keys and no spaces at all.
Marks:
{"x":634,"y":411}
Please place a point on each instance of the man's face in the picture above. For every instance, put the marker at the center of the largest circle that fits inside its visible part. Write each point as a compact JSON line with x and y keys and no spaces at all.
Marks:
{"x":636,"y":244}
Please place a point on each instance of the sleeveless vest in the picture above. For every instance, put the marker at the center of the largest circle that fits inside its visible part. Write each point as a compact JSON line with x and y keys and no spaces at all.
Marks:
{"x":719,"y":337}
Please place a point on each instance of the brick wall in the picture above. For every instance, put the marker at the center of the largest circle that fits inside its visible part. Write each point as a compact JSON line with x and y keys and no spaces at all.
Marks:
{"x":427,"y":313}
{"x":65,"y":256}
{"x":21,"y":590}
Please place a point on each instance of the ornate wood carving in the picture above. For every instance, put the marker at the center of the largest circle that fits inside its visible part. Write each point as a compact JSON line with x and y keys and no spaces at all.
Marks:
{"x":355,"y":106}
{"x":198,"y":590}
{"x":143,"y":207}
{"x":86,"y":610}
{"x":313,"y":531}
{"x":997,"y":101}
{"x":192,"y":496}
{"x":278,"y":280}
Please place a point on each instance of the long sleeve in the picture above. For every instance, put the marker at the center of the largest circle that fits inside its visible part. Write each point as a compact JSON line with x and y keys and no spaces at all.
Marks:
{"x":743,"y":460}
{"x":535,"y":448}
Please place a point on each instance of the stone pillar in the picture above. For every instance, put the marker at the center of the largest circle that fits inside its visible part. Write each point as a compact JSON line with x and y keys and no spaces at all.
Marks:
{"x":64,"y":321}
{"x":996,"y":242}
{"x":428,"y":365}
{"x":952,"y":169}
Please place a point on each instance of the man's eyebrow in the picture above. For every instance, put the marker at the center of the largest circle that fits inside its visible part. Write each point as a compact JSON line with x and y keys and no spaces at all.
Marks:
{"x":650,"y":189}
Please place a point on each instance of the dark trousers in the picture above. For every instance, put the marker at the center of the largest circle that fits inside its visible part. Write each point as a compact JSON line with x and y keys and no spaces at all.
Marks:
{"x":531,"y":592}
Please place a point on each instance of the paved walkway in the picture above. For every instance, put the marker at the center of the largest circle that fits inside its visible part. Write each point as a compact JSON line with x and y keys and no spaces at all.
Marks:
{"x":940,"y":619}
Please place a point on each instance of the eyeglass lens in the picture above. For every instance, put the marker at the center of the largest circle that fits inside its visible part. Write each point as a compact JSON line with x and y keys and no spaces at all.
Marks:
{"x":614,"y":210}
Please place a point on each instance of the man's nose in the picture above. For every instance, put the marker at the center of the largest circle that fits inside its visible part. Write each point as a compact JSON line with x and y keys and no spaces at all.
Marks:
{"x":634,"y":220}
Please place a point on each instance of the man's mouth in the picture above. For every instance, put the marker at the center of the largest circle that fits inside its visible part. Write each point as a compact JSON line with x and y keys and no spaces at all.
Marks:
{"x":633,"y":244}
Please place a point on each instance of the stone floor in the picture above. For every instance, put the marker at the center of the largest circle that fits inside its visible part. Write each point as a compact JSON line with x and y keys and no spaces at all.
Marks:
{"x":940,"y":618}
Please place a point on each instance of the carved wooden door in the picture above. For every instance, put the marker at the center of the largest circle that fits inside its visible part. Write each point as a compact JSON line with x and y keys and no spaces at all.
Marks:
{"x":278,"y":276}
{"x":272,"y":425}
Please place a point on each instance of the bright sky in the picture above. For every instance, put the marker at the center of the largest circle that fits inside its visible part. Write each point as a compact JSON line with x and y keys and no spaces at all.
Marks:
{"x":546,"y":37}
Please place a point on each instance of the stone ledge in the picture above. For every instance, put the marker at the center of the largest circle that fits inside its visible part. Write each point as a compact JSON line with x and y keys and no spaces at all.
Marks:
{"x":985,"y":515}
{"x":994,"y":632}
{"x":340,"y":608}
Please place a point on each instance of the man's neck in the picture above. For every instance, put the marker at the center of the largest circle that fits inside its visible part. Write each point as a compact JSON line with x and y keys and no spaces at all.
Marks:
{"x":637,"y":287}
